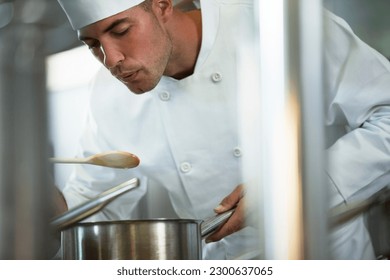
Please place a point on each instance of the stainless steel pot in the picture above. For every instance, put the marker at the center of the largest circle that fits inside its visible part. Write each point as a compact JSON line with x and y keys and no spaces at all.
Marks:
{"x":157,"y":239}
{"x":153,"y":239}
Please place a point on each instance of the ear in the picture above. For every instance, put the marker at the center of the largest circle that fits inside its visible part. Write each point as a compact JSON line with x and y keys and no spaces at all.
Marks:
{"x":163,"y":8}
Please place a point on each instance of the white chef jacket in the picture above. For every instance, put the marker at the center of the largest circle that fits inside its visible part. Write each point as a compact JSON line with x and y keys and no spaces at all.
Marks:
{"x":185,"y":131}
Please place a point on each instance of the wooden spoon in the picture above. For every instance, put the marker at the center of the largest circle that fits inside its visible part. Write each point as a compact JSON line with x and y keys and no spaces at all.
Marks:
{"x":114,"y":159}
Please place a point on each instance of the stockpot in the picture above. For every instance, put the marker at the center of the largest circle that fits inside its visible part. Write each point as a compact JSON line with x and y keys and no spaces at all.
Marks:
{"x":149,"y":239}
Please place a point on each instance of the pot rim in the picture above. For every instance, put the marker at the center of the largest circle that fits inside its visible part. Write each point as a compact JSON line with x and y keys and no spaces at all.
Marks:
{"x":139,"y":221}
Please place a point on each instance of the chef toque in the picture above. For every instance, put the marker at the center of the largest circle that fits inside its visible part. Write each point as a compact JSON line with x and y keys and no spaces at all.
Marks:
{"x":84,"y":12}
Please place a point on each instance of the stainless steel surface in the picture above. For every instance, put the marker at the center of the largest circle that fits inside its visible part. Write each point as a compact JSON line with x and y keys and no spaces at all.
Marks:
{"x":90,"y":207}
{"x":25,"y":188}
{"x":343,"y":212}
{"x":211,"y":224}
{"x":153,"y":239}
{"x":376,"y":210}
{"x":133,"y":240}
{"x":290,"y":159}
{"x":378,"y":224}
{"x":307,"y":83}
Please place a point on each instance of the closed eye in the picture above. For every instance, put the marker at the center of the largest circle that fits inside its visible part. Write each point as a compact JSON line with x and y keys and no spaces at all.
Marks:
{"x":120,"y":33}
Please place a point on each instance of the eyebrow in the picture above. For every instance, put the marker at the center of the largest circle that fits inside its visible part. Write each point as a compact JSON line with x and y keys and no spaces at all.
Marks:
{"x":107,"y":29}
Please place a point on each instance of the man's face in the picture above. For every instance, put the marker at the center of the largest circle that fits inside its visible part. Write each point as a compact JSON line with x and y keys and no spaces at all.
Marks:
{"x":133,"y":45}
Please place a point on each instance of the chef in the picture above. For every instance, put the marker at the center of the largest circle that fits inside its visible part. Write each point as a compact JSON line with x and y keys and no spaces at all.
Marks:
{"x":168,"y":93}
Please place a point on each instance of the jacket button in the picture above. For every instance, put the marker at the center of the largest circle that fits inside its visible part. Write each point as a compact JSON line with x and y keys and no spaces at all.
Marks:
{"x":216,"y":77}
{"x":165,"y":96}
{"x":237,"y":152}
{"x":185,"y":167}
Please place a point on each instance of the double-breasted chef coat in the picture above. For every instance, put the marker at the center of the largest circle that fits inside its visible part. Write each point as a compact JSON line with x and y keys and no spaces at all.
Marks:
{"x":186,"y":132}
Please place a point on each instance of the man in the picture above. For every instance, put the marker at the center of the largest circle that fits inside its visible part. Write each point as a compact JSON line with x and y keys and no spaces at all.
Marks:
{"x":182,"y":118}
{"x":182,"y":121}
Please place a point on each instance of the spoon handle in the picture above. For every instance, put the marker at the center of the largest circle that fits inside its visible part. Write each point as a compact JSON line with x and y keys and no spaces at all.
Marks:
{"x":68,"y":160}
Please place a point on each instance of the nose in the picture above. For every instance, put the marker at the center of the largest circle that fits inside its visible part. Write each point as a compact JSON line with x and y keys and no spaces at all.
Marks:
{"x":111,"y":56}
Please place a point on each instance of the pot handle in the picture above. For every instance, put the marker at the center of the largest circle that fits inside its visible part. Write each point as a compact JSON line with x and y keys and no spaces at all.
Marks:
{"x":92,"y":206}
{"x":211,"y":224}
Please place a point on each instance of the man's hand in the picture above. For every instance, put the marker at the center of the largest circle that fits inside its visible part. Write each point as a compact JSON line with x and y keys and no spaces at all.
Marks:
{"x":60,"y":205}
{"x":236,"y":221}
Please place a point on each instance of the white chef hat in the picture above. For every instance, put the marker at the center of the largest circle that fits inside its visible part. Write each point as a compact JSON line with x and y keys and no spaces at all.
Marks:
{"x":84,"y":12}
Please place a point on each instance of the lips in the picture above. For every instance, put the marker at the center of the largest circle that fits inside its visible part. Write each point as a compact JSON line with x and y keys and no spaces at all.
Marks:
{"x":127,"y":77}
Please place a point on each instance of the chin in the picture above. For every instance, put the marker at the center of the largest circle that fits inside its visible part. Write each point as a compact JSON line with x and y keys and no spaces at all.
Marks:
{"x":139,"y":88}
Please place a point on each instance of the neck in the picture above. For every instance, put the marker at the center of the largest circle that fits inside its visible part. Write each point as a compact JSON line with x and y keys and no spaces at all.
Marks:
{"x":186,"y":35}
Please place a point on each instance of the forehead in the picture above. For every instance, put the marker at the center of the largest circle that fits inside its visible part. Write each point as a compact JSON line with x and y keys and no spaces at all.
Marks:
{"x":131,"y":15}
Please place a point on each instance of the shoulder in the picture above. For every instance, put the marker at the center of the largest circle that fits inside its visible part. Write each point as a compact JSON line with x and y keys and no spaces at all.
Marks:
{"x":345,"y":50}
{"x":338,"y":32}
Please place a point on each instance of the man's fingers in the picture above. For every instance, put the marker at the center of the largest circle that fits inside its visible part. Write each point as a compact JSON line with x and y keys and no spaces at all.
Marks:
{"x":231,"y":200}
{"x":233,"y":224}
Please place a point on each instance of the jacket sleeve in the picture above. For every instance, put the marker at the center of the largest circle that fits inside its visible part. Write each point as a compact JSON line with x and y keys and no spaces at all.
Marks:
{"x":358,"y":104}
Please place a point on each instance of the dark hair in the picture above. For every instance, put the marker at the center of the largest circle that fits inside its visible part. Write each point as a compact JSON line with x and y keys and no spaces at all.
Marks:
{"x":146,"y":5}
